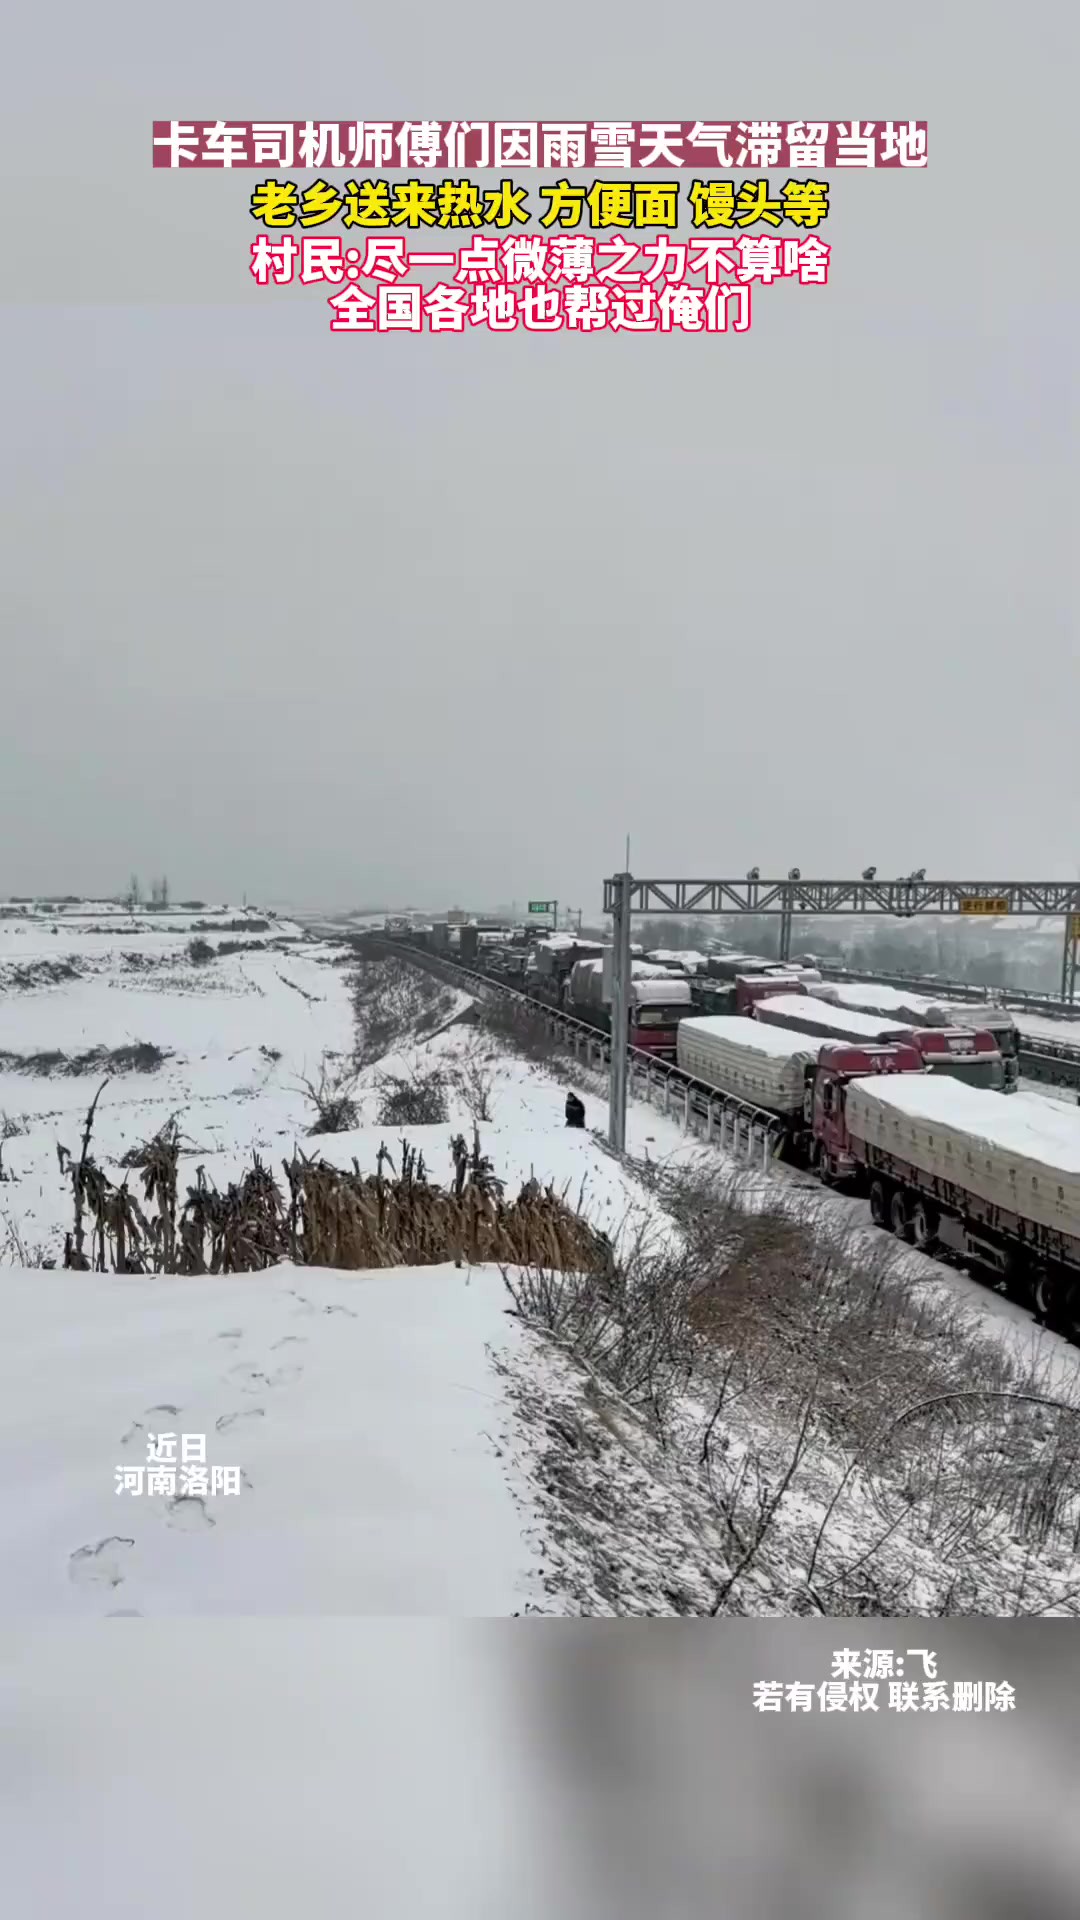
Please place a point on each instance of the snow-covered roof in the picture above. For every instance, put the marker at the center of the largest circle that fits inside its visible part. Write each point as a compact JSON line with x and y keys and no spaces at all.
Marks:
{"x":670,"y":992}
{"x":875,"y":998}
{"x":915,"y":1007}
{"x":1023,"y":1123}
{"x":779,"y":1043}
{"x":842,"y":1022}
{"x":677,"y":957}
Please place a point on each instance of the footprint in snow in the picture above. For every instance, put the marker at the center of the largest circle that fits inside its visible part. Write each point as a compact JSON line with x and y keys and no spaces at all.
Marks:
{"x":248,"y":1379}
{"x":188,"y":1513}
{"x":135,"y":1433}
{"x":165,"y":1407}
{"x":232,"y":1333}
{"x":230,"y":1419}
{"x":290,"y":1340}
{"x":335,"y":1309}
{"x":100,"y":1565}
{"x":252,"y":1380}
{"x":123,"y":1613}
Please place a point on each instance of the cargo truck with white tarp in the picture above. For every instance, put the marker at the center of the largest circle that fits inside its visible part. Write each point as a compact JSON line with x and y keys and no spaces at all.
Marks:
{"x":915,"y":1010}
{"x":990,"y":1181}
{"x":971,"y":1057}
{"x":789,"y":1075}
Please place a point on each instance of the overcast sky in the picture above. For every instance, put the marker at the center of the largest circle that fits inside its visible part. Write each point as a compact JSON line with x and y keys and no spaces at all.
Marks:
{"x":334,"y":620}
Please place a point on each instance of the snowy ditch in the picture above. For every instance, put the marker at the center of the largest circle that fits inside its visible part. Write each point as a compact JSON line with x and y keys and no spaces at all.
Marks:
{"x":737,"y":1424}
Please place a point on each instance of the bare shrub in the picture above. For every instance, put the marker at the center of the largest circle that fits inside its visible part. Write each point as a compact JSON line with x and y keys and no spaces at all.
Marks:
{"x":475,"y":1081}
{"x":332,"y":1093}
{"x":14,"y":1251}
{"x":10,"y":1129}
{"x":139,"y":1056}
{"x":199,"y":951}
{"x":416,"y":1101}
{"x":835,"y":1384}
{"x":628,"y":1323}
{"x":393,"y":1001}
{"x":38,"y":973}
{"x":249,"y":924}
{"x":521,"y":1027}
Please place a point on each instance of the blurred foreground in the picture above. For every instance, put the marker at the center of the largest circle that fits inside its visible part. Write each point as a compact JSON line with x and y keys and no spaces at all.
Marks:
{"x":273,"y":1769}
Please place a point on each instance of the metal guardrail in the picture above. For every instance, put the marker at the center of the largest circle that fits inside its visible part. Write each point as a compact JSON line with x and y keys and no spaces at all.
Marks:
{"x":1044,"y":1060}
{"x":734,"y":1125}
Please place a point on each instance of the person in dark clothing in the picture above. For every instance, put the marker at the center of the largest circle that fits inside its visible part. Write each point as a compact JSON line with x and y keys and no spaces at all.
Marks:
{"x":575,"y":1111}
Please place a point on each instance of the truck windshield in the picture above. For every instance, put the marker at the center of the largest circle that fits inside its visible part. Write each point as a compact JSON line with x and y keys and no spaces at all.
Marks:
{"x":658,"y":1016}
{"x":977,"y":1069}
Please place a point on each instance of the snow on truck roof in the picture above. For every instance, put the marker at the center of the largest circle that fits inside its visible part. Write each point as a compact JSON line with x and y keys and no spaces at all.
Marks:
{"x":780,"y":1043}
{"x":841,"y":1021}
{"x":671,"y":992}
{"x":1024,"y":1124}
{"x":979,"y":1015}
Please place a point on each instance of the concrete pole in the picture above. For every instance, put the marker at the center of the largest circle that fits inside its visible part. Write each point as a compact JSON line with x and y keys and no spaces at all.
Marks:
{"x":620,"y":1000}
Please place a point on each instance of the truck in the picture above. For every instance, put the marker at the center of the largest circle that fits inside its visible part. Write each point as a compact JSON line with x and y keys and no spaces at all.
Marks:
{"x":792,"y":1076}
{"x":724,"y":966}
{"x":677,"y":959}
{"x":750,"y":988}
{"x":992,"y":1183}
{"x":972,"y":1057}
{"x":740,"y":994}
{"x":657,"y":1002}
{"x":550,"y":963}
{"x":914,"y":1010}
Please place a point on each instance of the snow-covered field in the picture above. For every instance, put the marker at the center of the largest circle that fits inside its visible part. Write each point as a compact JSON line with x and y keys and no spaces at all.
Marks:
{"x":239,"y":1034}
{"x":363,"y":1410}
{"x":404,"y":1444}
{"x":355,"y":1407}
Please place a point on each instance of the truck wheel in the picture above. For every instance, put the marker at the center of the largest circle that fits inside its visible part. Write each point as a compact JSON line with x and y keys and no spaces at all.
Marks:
{"x":1043,"y":1296}
{"x":923,"y":1226}
{"x":879,"y":1203}
{"x":1017,"y":1283}
{"x":1070,"y":1313}
{"x":898,"y":1217}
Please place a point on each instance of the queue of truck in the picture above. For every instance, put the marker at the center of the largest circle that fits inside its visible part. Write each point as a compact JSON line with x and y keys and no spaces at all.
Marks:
{"x":891,"y":1097}
{"x":872,"y":1089}
{"x":948,"y":1165}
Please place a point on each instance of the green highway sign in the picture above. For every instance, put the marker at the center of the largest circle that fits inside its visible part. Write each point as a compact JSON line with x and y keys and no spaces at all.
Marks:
{"x":541,"y":906}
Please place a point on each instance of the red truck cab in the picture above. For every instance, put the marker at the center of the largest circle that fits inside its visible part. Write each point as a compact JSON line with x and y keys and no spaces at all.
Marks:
{"x":654,"y":1029}
{"x":827,"y":1081}
{"x":961,"y":1053}
{"x":750,"y":988}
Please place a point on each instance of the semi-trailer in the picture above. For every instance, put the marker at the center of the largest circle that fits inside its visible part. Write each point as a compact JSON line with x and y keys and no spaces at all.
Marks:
{"x":788,"y":1075}
{"x":994,"y":1183}
{"x":972,"y":1057}
{"x":915,"y":1010}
